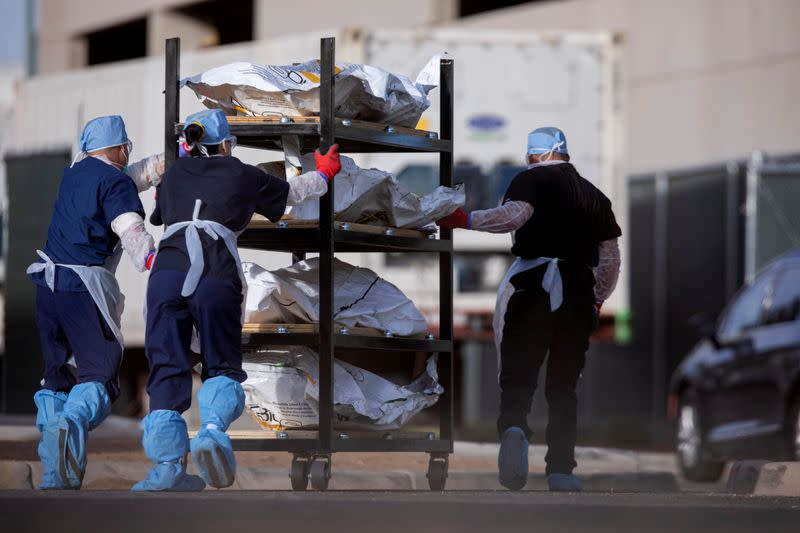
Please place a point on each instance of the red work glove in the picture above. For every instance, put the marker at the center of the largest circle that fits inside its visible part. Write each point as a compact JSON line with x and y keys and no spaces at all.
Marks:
{"x":328,"y":164}
{"x":598,"y":306}
{"x":457,"y":219}
{"x":148,"y":263}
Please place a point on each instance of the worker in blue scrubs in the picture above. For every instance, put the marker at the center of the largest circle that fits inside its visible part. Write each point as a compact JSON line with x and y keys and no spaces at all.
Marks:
{"x":97,"y":214}
{"x":197,"y":283}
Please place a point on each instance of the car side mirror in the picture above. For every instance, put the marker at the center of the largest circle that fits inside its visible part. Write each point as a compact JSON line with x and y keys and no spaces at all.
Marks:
{"x":705,"y":324}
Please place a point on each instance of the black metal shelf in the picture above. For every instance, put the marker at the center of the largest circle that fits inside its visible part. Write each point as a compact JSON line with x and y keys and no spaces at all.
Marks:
{"x":310,"y":446}
{"x":329,"y":237}
{"x":305,"y":240}
{"x":370,"y":342}
{"x":351,"y":136}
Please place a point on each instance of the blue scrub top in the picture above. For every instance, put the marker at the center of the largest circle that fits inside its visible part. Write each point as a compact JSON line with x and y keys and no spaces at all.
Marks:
{"x":92,"y":194}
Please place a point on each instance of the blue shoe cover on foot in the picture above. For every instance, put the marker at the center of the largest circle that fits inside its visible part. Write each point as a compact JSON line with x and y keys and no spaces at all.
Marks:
{"x":166,"y":443}
{"x":512,"y":461}
{"x":212,"y":453}
{"x":564,"y":483}
{"x":88,"y":404}
{"x":71,"y":443}
{"x":50,"y":405}
{"x":170,"y":477}
{"x":221,"y":402}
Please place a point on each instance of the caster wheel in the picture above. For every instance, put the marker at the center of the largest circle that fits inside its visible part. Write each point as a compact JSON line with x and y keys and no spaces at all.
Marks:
{"x":320,"y":473}
{"x":299,"y":473}
{"x":437,"y":473}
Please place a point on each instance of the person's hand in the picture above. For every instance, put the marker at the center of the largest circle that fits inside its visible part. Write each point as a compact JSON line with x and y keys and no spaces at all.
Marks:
{"x":161,"y":167}
{"x":184,"y":150}
{"x":597,"y":307}
{"x":148,"y":262}
{"x":457,"y":219}
{"x":328,"y":164}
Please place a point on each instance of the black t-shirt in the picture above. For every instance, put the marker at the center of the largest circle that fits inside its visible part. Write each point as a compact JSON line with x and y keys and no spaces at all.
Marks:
{"x":230,"y":191}
{"x":570,"y":215}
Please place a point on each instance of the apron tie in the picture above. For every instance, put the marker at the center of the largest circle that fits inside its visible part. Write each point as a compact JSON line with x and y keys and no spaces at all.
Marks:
{"x":100,"y":283}
{"x":551,"y":283}
{"x":194,"y":246}
{"x":49,"y":270}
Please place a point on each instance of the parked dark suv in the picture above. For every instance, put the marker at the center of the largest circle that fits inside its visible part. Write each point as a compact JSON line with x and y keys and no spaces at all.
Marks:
{"x":737,"y":393}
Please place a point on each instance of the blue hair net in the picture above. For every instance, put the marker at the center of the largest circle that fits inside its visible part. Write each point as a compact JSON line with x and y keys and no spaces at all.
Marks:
{"x":547,"y":140}
{"x":214,"y":124}
{"x":103,"y":132}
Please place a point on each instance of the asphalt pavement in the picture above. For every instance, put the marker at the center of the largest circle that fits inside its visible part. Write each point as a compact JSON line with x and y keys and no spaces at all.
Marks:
{"x":386,"y":512}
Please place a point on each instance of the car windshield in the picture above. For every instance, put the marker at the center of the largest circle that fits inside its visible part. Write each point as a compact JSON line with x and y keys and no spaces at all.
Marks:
{"x":784,"y":299}
{"x":746,"y":309}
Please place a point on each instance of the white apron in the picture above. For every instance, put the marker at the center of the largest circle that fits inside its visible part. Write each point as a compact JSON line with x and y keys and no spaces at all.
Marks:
{"x":99,"y":281}
{"x":194,"y":247}
{"x":551,"y":283}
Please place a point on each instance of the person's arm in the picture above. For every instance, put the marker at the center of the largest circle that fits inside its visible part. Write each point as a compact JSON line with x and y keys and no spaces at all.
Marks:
{"x":147,"y":172}
{"x":314,"y":184}
{"x":506,"y":218}
{"x":155,"y":217}
{"x":307,"y":186}
{"x":135,"y":239}
{"x":125,"y":215}
{"x":606,"y":232}
{"x":274,"y":194}
{"x":607,"y":271}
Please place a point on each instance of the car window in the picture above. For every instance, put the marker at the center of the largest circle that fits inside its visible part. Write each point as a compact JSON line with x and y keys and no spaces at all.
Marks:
{"x":783,"y":303}
{"x":746,"y":309}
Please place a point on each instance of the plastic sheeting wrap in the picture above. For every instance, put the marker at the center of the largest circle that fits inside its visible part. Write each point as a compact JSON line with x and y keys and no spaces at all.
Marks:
{"x":361,"y":91}
{"x":372,"y":196}
{"x":361,"y":298}
{"x":282,"y":392}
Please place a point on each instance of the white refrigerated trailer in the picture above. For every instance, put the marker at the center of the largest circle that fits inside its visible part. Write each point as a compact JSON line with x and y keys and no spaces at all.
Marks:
{"x":507,"y":84}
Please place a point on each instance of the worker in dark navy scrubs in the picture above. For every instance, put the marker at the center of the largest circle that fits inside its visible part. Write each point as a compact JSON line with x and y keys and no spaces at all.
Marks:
{"x":97,"y":215}
{"x":197,"y":282}
{"x":565,"y":240}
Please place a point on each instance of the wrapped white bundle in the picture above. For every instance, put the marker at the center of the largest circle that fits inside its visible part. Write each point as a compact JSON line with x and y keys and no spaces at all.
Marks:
{"x":361,"y":298}
{"x":372,"y":196}
{"x":282,"y":391}
{"x":362,"y":92}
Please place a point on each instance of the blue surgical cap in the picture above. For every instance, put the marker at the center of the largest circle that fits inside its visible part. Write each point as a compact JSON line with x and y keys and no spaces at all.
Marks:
{"x":103,"y":132}
{"x":214,"y":124}
{"x":546,"y":140}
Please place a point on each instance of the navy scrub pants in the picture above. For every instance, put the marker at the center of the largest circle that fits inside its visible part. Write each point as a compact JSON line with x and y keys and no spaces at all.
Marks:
{"x":71,"y":324}
{"x":532,"y":331}
{"x":215,"y":309}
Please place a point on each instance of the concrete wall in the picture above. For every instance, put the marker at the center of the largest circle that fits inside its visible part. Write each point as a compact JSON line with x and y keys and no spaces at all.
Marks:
{"x":63,"y":24}
{"x":277,"y":17}
{"x":705,"y":79}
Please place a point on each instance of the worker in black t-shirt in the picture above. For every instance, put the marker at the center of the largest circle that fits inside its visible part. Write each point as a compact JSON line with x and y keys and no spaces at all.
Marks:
{"x":565,"y":239}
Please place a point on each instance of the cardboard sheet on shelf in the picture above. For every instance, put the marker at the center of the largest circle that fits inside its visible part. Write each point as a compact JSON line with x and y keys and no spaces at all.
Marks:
{"x":287,"y":221}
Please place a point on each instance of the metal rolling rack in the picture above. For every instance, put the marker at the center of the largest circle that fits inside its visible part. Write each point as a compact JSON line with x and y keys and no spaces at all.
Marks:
{"x":312,"y":451}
